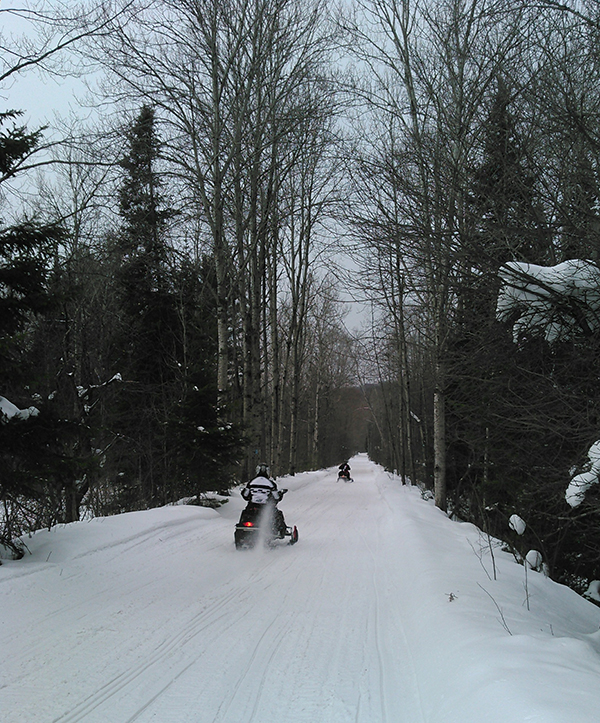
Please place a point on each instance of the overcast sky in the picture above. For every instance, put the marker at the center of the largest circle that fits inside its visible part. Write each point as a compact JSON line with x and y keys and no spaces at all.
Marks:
{"x":43,"y":98}
{"x":39,"y":96}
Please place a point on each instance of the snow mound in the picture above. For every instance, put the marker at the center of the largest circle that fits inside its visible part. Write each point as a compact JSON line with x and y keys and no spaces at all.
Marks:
{"x":580,"y":484}
{"x":517,"y":524}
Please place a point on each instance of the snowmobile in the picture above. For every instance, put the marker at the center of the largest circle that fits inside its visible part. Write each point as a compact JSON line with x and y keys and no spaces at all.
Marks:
{"x":344,"y":476}
{"x":262,"y":523}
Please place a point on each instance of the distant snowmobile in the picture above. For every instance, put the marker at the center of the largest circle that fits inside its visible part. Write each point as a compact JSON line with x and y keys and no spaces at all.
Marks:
{"x":344,"y":473}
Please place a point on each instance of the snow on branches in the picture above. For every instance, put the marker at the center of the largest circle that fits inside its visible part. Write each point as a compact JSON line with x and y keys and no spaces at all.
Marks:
{"x":580,"y":483}
{"x":8,"y":410}
{"x":557,"y":302}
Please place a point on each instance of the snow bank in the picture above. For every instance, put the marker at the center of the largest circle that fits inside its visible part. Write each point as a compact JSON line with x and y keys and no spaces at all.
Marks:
{"x":64,"y":543}
{"x":486,"y":657}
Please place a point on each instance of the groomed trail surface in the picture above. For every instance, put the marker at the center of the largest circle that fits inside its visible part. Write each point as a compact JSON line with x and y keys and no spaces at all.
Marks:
{"x":384,"y":612}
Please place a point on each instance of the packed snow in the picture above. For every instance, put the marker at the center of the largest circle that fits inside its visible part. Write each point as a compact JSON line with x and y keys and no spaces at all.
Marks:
{"x":386,"y":611}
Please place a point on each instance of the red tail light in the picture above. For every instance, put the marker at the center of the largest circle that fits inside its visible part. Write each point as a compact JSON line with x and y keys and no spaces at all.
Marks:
{"x":248,"y":524}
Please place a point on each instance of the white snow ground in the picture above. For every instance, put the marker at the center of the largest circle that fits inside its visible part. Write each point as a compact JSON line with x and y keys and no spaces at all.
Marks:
{"x":385,"y":611}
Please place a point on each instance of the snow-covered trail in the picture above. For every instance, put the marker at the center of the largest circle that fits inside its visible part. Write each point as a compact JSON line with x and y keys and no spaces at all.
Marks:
{"x":384,"y":612}
{"x":174,"y":624}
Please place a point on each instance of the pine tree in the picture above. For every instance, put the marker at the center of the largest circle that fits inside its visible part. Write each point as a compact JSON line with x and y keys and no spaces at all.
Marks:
{"x":30,"y":461}
{"x":26,"y":251}
{"x":504,"y":227}
{"x":205,"y":451}
{"x":515,"y":418}
{"x":172,"y":445}
{"x":145,"y":343}
{"x":142,"y":238}
{"x":507,"y":222}
{"x":578,"y":218}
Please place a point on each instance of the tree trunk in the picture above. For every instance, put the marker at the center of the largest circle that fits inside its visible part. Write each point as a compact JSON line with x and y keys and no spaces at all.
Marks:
{"x":316,"y":428}
{"x":439,"y":439}
{"x":294,"y":404}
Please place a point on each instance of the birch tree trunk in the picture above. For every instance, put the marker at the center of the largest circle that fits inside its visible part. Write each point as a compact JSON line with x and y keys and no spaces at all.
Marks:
{"x":439,"y":438}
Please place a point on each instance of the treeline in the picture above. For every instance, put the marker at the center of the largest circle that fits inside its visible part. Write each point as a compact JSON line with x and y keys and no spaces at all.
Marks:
{"x":483,"y":149}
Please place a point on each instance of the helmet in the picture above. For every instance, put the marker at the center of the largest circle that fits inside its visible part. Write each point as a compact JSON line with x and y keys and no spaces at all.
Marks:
{"x":262,"y":470}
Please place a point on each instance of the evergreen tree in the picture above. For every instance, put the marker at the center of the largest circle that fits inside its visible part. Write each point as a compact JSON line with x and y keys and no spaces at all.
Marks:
{"x":515,"y":421}
{"x":26,"y":251}
{"x":171,"y":444}
{"x":30,"y":448}
{"x":205,"y":449}
{"x":578,"y":221}
{"x":74,"y":375}
{"x":504,"y":226}
{"x":145,"y":343}
{"x":142,"y":238}
{"x":507,"y":224}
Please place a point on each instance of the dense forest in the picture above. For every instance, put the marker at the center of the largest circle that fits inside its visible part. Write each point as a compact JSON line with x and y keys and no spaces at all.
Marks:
{"x":177,"y":260}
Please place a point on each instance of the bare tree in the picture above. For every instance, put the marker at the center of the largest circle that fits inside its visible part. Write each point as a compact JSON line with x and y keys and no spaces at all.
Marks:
{"x":229,"y":81}
{"x":430,"y":69}
{"x":46,"y":31}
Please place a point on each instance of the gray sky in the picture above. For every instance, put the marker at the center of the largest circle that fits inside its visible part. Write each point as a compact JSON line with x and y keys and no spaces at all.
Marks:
{"x":44,"y":97}
{"x":39,"y":95}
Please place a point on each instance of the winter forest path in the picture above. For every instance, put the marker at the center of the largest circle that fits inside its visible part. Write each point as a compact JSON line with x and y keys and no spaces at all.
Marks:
{"x":384,"y":612}
{"x":172,"y":623}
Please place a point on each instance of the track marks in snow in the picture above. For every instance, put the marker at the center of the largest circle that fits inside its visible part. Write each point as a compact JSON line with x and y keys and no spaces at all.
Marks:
{"x":157,"y":659}
{"x":398,"y":684}
{"x":176,"y":626}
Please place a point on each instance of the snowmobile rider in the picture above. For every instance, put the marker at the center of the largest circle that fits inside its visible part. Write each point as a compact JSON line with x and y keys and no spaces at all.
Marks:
{"x":262,"y":490}
{"x":345,"y":469}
